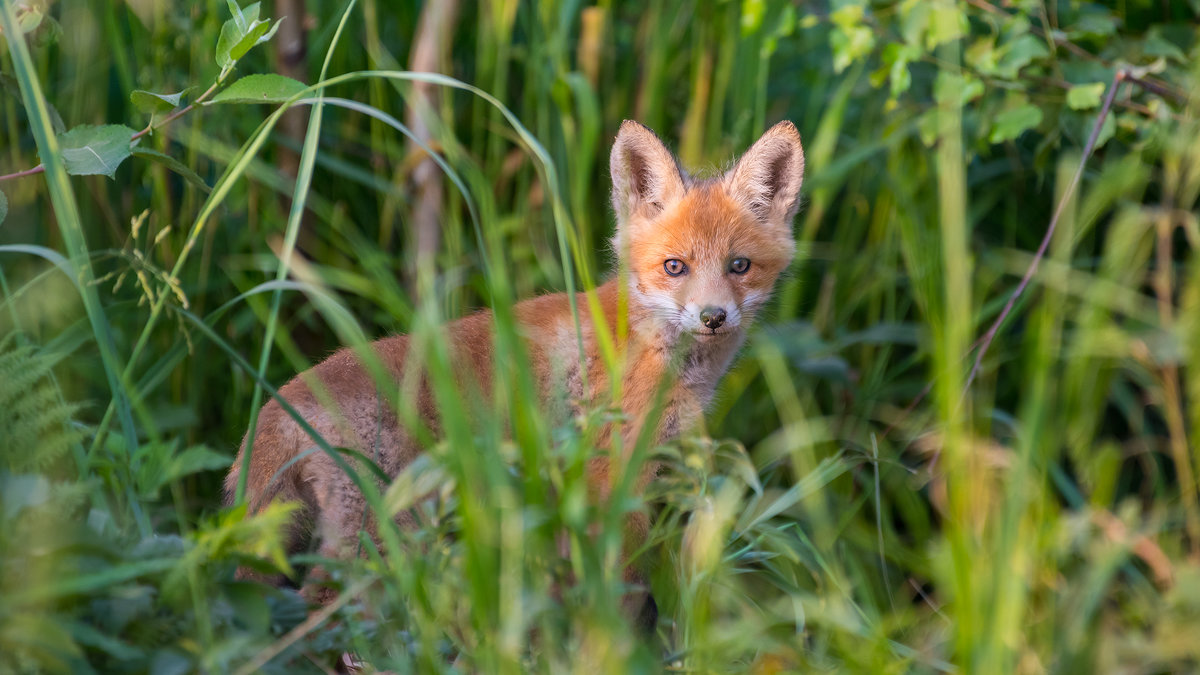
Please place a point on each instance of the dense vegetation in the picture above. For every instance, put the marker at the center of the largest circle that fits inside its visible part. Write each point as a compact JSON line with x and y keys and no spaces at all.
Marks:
{"x":881,"y":486}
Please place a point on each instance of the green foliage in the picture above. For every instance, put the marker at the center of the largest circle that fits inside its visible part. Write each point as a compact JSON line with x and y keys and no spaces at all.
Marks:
{"x":268,"y":88}
{"x":149,"y":102}
{"x":95,"y":150}
{"x":1085,"y":96}
{"x":35,"y":422}
{"x":75,"y":592}
{"x":874,"y":514}
{"x":1009,"y":50}
{"x":240,"y":34}
{"x":1011,"y":123}
{"x":173,"y":164}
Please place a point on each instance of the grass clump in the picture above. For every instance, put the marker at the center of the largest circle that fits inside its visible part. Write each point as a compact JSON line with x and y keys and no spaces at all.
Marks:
{"x":859,"y":499}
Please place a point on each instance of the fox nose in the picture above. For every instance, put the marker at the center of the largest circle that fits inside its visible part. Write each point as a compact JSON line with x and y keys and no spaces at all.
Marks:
{"x":713,"y":317}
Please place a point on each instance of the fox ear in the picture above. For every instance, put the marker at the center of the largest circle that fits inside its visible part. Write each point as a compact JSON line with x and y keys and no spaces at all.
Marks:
{"x":645,"y":175}
{"x":767,"y":178}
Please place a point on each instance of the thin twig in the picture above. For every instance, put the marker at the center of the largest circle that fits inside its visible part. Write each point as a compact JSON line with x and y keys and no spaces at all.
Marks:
{"x":1173,"y":399}
{"x":928,"y":600}
{"x":21,"y":174}
{"x":1118,"y":77}
{"x":921,"y":396}
{"x":1139,"y":108}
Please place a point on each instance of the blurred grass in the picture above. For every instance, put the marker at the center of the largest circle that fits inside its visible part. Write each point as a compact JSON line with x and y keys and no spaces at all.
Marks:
{"x":1051,"y":534}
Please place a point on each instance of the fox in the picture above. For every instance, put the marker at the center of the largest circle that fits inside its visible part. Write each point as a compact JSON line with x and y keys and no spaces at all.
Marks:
{"x":698,"y":258}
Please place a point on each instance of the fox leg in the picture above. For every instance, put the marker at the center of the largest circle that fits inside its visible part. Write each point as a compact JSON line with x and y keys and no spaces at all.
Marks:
{"x":638,"y":603}
{"x":340,"y":512}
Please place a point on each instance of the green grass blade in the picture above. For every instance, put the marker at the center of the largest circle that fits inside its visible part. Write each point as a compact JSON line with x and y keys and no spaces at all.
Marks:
{"x":66,"y":209}
{"x":295,"y":216}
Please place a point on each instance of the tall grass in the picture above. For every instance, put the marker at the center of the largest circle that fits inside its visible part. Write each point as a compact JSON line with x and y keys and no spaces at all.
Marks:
{"x":852,"y":503}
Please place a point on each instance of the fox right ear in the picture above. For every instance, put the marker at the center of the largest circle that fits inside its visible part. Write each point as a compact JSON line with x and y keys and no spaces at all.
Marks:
{"x":767,"y":178}
{"x":645,"y":176}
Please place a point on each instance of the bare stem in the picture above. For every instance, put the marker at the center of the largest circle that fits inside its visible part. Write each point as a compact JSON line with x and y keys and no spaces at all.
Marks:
{"x":1041,"y":251}
{"x":21,"y":174}
{"x":1169,"y":374}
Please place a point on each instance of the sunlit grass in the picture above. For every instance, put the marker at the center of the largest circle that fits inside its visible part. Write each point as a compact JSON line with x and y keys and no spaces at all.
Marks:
{"x":1039,"y":520}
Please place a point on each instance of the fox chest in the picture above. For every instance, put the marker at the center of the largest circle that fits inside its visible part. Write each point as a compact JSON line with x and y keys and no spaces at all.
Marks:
{"x":682,"y":382}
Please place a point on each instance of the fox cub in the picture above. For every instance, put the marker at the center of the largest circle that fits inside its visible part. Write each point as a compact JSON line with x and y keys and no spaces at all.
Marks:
{"x":702,"y":256}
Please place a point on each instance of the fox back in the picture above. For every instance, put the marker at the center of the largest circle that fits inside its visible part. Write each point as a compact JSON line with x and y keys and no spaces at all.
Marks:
{"x":698,"y":258}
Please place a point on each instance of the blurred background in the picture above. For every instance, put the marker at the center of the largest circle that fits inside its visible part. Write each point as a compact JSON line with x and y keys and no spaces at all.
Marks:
{"x":871,"y":503}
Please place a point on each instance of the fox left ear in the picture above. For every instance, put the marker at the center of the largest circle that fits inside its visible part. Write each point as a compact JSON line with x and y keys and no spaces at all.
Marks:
{"x":646,"y":178}
{"x":767,"y":178}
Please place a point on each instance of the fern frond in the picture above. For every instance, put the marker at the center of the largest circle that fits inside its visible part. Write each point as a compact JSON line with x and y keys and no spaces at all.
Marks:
{"x":35,"y":422}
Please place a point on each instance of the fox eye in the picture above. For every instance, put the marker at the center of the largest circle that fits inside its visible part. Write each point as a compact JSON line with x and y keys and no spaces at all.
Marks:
{"x":675,"y":267}
{"x":739,"y":265}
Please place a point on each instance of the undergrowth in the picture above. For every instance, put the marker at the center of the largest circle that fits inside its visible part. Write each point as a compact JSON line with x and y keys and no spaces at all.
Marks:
{"x":191,"y":211}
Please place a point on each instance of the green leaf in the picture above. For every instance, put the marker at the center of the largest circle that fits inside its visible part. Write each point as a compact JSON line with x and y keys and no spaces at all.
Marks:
{"x":896,"y":58}
{"x":48,"y":33}
{"x":95,"y":150}
{"x":241,"y":33}
{"x":28,"y":18}
{"x":1019,"y":53}
{"x":154,"y":476}
{"x":850,"y":39}
{"x":249,"y":605}
{"x":194,"y":460}
{"x":847,"y":16}
{"x":1093,"y":23}
{"x":3,"y":207}
{"x":753,"y":12}
{"x":86,"y":634}
{"x":959,"y":89}
{"x":234,"y":30}
{"x":1012,"y":123}
{"x":914,"y":21}
{"x":239,"y":18}
{"x":260,"y":32}
{"x":981,"y":55}
{"x":262,"y":88}
{"x":171,"y":661}
{"x":850,"y":45}
{"x":1085,"y":96}
{"x":174,"y":165}
{"x":948,"y":23}
{"x":149,"y":102}
{"x":1159,"y":46}
{"x":9,"y":84}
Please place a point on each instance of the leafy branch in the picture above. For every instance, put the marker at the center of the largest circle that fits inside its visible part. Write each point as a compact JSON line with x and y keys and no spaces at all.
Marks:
{"x":91,"y":150}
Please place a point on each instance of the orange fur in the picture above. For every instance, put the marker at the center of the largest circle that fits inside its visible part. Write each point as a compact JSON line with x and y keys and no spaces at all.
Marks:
{"x":663,"y":214}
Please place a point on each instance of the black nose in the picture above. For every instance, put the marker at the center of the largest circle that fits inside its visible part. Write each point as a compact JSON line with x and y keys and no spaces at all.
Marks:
{"x":712,"y":317}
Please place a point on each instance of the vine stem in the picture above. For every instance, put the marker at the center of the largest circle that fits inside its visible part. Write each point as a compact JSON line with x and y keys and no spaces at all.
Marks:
{"x":27,"y":172}
{"x":149,"y":128}
{"x":1120,"y":76}
{"x":986,"y":341}
{"x":990,"y":335}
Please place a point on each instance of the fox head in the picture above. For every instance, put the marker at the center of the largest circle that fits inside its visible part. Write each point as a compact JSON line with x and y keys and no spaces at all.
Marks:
{"x":703,"y":254}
